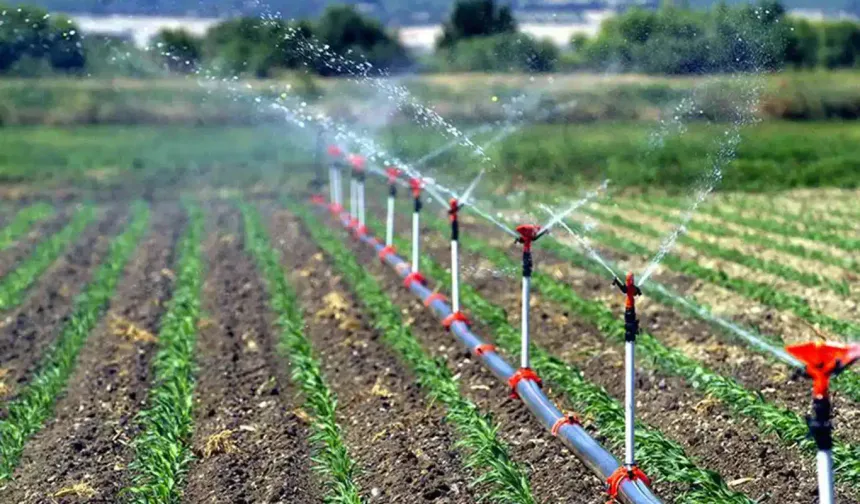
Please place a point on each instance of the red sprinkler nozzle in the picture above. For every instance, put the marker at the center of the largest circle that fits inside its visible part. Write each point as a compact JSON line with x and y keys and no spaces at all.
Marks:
{"x":824,"y":360}
{"x":416,"y":184}
{"x":454,"y":207}
{"x":629,"y":288}
{"x":334,"y":151}
{"x":528,"y":234}
{"x":357,"y":161}
{"x":393,"y":173}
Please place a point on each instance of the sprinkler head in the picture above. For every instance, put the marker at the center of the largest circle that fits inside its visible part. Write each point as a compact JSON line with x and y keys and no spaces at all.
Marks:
{"x":334,"y":151}
{"x":454,"y":207}
{"x":393,"y":173}
{"x":824,"y":360}
{"x":416,"y":184}
{"x":528,"y":234}
{"x":629,"y":288}
{"x":357,"y":161}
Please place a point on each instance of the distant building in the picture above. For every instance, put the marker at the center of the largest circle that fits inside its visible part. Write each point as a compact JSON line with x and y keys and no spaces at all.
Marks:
{"x":572,"y":11}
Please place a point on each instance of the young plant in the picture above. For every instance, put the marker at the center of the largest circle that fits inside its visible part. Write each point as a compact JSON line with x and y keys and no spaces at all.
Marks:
{"x":23,"y":222}
{"x":489,"y":456}
{"x":332,"y":459}
{"x":14,"y":285}
{"x":26,"y":413}
{"x":161,"y":449}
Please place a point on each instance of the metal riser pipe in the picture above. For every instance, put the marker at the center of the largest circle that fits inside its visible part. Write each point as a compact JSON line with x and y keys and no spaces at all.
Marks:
{"x":589,"y":451}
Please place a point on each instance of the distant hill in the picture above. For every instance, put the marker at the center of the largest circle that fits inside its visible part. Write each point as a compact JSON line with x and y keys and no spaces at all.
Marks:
{"x":401,"y":11}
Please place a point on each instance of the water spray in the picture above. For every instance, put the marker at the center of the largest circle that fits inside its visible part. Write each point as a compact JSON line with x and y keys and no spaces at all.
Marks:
{"x":823,"y":361}
{"x":392,"y":173}
{"x":334,"y":174}
{"x":629,"y":470}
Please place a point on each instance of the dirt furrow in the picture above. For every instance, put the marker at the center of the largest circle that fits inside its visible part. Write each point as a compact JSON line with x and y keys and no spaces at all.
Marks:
{"x":26,"y":331}
{"x":400,"y":440}
{"x":87,"y":443}
{"x":556,"y":474}
{"x":708,"y":432}
{"x":250,"y":438}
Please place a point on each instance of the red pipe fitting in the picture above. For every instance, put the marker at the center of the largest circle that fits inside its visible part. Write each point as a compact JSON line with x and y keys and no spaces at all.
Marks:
{"x":385,"y":252}
{"x":414,"y":277}
{"x":523,"y":374}
{"x":334,"y":151}
{"x":436,"y":296}
{"x":483,"y":348}
{"x":567,"y":419}
{"x":455,"y":317}
{"x":621,"y":474}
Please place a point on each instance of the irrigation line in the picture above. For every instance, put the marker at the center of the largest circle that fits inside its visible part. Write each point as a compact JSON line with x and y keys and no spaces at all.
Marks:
{"x":590,"y":452}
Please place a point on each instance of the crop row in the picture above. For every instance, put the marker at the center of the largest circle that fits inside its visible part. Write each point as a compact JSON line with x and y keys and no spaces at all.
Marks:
{"x":332,"y":458}
{"x":14,"y":285}
{"x":161,"y":453}
{"x":477,"y":433}
{"x":733,"y":255}
{"x":658,"y":455}
{"x":847,"y":383}
{"x":748,"y":236}
{"x":758,"y":291}
{"x":27,"y":412}
{"x":23,"y":222}
{"x":771,"y":419}
{"x":810,"y":218}
{"x":772,"y":226}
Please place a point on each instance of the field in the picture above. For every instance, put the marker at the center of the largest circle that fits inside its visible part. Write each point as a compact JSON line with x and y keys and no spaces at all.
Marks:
{"x":182,"y":322}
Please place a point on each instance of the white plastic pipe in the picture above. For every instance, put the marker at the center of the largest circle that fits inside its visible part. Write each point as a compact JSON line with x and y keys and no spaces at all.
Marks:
{"x":338,"y":187}
{"x":825,"y":476}
{"x":455,"y":276}
{"x":524,"y":351}
{"x":415,"y":241}
{"x":361,"y":211}
{"x":331,"y":187}
{"x":389,"y":223}
{"x":629,"y":403}
{"x":353,"y":200}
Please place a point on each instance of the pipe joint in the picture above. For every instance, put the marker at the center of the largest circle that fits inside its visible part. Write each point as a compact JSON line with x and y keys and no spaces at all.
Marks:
{"x":820,"y":426}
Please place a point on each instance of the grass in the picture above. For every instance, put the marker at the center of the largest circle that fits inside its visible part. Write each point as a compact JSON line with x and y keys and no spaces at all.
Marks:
{"x":26,"y":413}
{"x":161,"y":451}
{"x":486,"y":454}
{"x":23,"y":222}
{"x":658,"y":455}
{"x":331,"y":459}
{"x":772,"y":419}
{"x":14,"y":285}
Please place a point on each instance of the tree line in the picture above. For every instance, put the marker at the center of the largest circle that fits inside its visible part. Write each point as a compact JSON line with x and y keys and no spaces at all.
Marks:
{"x":479,"y":35}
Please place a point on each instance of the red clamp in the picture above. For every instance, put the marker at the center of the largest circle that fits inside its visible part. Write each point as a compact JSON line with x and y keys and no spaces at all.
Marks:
{"x":436,"y":296}
{"x":566,"y":419}
{"x":455,"y":317}
{"x":523,"y":374}
{"x":483,"y":348}
{"x":361,"y":230}
{"x":335,"y":208}
{"x":620,"y":475}
{"x":385,"y":252}
{"x":317,"y":199}
{"x":414,"y":277}
{"x":353,"y":224}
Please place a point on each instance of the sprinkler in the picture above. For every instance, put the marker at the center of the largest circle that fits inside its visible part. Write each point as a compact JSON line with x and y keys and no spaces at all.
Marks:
{"x":631,"y":328}
{"x":416,"y":184}
{"x":334,"y":173}
{"x":392,"y":174}
{"x":357,"y":211}
{"x":823,"y":361}
{"x":528,"y":234}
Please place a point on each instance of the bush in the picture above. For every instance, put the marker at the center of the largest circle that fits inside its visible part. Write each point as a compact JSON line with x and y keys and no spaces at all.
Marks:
{"x":515,"y":52}
{"x":476,"y":18}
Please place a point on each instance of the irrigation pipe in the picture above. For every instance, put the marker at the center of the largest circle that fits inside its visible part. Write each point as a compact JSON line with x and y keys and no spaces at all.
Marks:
{"x":571,"y":433}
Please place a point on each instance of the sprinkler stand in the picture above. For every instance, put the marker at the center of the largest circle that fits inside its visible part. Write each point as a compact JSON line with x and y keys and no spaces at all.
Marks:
{"x":456,"y":315}
{"x":631,"y":329}
{"x":393,"y":173}
{"x":334,"y":179}
{"x":528,"y":234}
{"x":359,"y":176}
{"x":417,"y":185}
{"x":823,"y":361}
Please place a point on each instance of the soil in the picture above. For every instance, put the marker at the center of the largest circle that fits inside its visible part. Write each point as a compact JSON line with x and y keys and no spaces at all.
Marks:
{"x":29,"y":329}
{"x":243,"y":392}
{"x":88,"y":440}
{"x":529,"y":443}
{"x":712,"y":436}
{"x":398,"y":437}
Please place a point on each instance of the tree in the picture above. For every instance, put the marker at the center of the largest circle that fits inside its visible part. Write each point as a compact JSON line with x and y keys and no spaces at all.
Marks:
{"x":347,"y":33}
{"x":476,"y":18}
{"x":180,"y":50}
{"x":32,"y":34}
